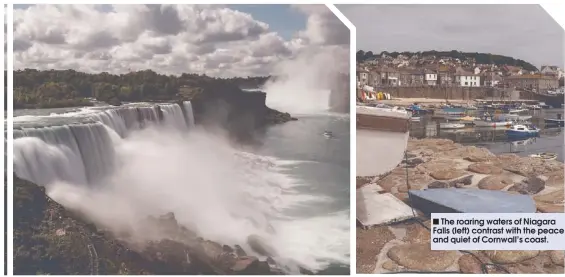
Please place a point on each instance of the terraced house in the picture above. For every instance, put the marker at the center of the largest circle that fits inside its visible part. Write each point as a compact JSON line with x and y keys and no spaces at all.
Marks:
{"x":537,"y":82}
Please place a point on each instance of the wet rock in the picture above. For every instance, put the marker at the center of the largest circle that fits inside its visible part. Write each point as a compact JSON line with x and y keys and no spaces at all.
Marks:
{"x":249,"y":265}
{"x":511,"y":256}
{"x":494,"y":182}
{"x":557,"y":257}
{"x":549,"y":208}
{"x":239,"y":251}
{"x":555,"y":197}
{"x":485,"y":168}
{"x":228,"y":249}
{"x":447,"y":174}
{"x":420,"y":257}
{"x":530,"y":186}
{"x":259,"y":245}
{"x":469,"y":264}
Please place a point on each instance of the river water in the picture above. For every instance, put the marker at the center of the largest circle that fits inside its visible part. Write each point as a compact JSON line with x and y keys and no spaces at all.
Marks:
{"x":121,"y":164}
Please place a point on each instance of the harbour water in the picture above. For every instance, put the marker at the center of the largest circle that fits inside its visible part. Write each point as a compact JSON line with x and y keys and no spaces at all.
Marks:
{"x":551,"y":138}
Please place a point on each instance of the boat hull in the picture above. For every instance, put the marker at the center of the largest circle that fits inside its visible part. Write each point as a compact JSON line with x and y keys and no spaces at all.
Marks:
{"x":382,"y":138}
{"x":558,"y":122}
{"x":481,"y":123}
{"x":518,"y":134}
{"x":453,"y":200}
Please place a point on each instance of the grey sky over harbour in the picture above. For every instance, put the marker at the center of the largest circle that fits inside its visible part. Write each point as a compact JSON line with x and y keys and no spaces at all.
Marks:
{"x":524,"y":32}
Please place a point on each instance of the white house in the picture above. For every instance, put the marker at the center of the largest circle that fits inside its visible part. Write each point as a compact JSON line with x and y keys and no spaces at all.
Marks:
{"x":430,"y":78}
{"x":467,"y":79}
{"x":552,"y":70}
{"x":477,"y":71}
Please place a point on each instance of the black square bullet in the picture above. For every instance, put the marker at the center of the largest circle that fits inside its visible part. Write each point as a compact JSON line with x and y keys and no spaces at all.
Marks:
{"x":436,"y":221}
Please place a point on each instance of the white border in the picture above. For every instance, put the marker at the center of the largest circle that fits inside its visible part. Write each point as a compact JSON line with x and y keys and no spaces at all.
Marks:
{"x":10,"y":129}
{"x":352,"y":134}
{"x":2,"y":194}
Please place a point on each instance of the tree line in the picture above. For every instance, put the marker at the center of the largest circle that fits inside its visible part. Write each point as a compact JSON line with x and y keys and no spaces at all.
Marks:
{"x":65,"y":88}
{"x":480,"y":58}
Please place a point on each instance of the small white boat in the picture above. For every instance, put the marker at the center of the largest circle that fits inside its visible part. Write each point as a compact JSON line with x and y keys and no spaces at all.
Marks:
{"x":448,"y":125}
{"x":545,"y":156}
{"x":533,"y":107}
{"x":487,"y":123}
{"x":328,"y":134}
{"x":415,"y":119}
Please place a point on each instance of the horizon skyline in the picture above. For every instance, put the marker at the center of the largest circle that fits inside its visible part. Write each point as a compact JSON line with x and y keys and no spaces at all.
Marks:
{"x":504,"y":29}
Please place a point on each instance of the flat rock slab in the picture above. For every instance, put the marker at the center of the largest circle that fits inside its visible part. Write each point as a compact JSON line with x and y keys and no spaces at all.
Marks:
{"x":470,"y":201}
{"x":376,"y":209}
{"x":421,"y":257}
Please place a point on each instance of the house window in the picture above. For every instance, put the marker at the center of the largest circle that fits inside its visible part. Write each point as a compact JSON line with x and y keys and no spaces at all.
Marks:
{"x":466,"y":83}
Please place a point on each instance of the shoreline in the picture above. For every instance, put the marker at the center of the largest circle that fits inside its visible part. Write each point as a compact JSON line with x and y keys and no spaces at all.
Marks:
{"x":405,"y":246}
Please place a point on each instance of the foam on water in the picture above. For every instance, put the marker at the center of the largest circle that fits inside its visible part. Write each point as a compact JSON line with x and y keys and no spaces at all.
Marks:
{"x":129,"y":163}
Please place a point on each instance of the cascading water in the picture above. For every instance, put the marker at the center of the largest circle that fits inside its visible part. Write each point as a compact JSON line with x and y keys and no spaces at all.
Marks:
{"x":119,"y":165}
{"x":83,"y":153}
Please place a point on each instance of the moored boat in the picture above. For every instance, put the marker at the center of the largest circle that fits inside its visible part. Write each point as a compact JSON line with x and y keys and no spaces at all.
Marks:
{"x":545,"y":156}
{"x":555,"y":122}
{"x":449,"y":125}
{"x":490,"y":123}
{"x":522,"y":131}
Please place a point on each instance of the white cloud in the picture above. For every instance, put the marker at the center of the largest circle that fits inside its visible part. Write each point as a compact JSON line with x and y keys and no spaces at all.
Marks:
{"x":170,"y":39}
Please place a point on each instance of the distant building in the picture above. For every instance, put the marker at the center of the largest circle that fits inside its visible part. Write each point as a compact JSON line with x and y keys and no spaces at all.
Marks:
{"x":491,"y":79}
{"x":430,"y":77}
{"x":362,"y":78}
{"x":536,"y":82}
{"x":465,"y":78}
{"x":552,"y":71}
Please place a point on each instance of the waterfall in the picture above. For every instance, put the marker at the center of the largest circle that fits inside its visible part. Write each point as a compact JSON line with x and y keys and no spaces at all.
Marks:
{"x":173,"y":116}
{"x":82,"y":152}
{"x":77,"y":153}
{"x":189,"y":113}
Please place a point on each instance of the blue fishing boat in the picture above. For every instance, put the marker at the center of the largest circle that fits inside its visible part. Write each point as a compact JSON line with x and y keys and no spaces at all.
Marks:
{"x":459,"y":200}
{"x":522,"y":131}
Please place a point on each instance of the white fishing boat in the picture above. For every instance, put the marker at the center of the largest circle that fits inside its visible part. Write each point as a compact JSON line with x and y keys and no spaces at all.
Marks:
{"x":415,"y":118}
{"x":545,"y":156}
{"x":449,"y":125}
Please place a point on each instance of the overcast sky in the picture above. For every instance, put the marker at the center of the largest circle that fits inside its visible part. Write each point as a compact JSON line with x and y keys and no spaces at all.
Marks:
{"x":522,"y":31}
{"x":218,"y":40}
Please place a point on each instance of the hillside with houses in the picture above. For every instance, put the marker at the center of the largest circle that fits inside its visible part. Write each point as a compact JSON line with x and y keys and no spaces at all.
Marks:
{"x":449,"y":69}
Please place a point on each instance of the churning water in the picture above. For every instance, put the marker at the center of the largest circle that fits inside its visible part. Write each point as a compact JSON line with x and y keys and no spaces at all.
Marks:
{"x":120,"y":165}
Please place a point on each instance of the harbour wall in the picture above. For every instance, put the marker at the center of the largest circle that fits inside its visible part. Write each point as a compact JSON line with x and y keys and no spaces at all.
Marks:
{"x":455,"y":93}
